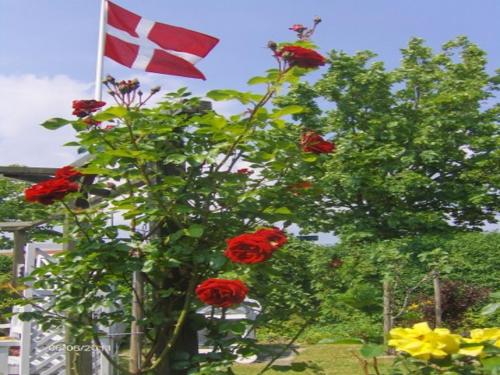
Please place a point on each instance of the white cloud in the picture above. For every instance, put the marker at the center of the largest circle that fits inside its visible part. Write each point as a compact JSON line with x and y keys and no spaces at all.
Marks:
{"x":27,"y":101}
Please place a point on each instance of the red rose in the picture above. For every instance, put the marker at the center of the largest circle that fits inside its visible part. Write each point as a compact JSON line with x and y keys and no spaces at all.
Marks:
{"x":46,"y":192}
{"x":68,"y":172}
{"x":313,"y":142}
{"x":275,"y":236}
{"x":300,"y":56}
{"x":82,"y":108}
{"x":221,"y":292}
{"x":244,"y":171}
{"x":248,"y":248}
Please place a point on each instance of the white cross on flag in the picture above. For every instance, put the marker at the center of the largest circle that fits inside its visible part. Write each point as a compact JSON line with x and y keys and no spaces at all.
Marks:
{"x":139,"y":43}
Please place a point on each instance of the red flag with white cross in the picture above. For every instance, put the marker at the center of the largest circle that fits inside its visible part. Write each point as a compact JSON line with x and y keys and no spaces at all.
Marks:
{"x":139,"y":43}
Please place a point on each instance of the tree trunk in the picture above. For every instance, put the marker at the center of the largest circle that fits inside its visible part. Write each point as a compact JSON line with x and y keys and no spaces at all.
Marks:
{"x":438,"y":304}
{"x":387,"y":312}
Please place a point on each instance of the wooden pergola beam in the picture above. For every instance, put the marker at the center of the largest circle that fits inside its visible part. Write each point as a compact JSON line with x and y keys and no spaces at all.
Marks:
{"x":12,"y":226}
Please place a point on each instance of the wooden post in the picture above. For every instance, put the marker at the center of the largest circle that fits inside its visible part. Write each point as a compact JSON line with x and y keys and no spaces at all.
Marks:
{"x":136,"y":329}
{"x":20,"y":240}
{"x":387,"y":310}
{"x":438,"y":303}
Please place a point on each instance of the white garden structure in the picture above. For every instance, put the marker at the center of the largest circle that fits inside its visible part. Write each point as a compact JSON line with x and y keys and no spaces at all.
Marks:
{"x":43,"y":352}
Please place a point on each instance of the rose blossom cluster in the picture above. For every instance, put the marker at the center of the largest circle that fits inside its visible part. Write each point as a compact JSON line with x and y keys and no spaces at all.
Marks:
{"x":49,"y":191}
{"x":84,"y":108}
{"x":247,"y":248}
{"x":313,"y":142}
{"x":301,"y":57}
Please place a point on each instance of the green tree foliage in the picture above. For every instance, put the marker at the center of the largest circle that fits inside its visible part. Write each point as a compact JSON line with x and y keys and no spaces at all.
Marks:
{"x":14,"y":208}
{"x":417,"y":146}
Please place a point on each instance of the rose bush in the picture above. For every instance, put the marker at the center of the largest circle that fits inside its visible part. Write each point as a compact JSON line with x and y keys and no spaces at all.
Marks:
{"x":191,"y":220}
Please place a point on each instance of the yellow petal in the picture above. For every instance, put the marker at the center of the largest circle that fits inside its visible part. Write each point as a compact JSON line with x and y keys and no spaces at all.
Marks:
{"x":422,"y":328}
{"x":472,"y":351}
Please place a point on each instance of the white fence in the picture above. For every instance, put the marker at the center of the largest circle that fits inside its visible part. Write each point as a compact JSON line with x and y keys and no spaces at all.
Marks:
{"x":43,"y":352}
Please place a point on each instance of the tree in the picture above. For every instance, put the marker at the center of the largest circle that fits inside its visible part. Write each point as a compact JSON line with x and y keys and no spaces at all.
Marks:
{"x":417,"y":146}
{"x":14,"y":208}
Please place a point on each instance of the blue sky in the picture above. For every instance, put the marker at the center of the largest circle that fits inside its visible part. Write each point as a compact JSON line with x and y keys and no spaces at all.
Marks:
{"x":50,"y":37}
{"x":49,"y":50}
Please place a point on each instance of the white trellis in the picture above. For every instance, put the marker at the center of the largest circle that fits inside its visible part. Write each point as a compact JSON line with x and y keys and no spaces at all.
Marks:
{"x":42,"y":352}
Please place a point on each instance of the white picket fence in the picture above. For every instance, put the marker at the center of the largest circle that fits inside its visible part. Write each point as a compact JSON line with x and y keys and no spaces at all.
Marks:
{"x":43,"y":352}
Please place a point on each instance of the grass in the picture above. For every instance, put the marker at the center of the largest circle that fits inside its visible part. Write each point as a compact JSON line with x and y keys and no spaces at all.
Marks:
{"x":321,"y":359}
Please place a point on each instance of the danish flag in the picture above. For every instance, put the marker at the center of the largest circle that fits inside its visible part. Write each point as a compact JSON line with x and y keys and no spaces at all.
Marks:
{"x":139,"y":43}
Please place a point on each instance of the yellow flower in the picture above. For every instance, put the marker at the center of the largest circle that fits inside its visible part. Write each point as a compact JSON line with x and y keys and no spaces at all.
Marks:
{"x":413,"y":306}
{"x":423,"y":343}
{"x":480,"y":335}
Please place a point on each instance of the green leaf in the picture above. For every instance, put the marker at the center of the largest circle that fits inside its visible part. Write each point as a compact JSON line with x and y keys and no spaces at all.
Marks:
{"x":195,"y":230}
{"x":55,"y":123}
{"x":372,"y":350}
{"x":490,"y":309}
{"x":280,"y":210}
{"x":176,"y":158}
{"x":219,"y":95}
{"x":258,"y":80}
{"x":289,"y":110}
{"x":491,"y":364}
{"x":110,"y":113}
{"x":243,"y":97}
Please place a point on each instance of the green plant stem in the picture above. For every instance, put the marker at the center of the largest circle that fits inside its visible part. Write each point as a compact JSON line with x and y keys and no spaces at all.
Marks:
{"x":77,"y":221}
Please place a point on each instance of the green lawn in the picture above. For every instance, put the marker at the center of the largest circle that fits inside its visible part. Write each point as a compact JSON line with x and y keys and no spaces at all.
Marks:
{"x":327,"y":359}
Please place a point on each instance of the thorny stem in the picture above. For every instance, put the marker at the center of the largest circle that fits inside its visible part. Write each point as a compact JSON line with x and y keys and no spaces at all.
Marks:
{"x":77,"y":221}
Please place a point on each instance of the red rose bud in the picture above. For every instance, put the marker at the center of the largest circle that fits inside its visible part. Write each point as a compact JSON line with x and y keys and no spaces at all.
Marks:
{"x":336,"y":262}
{"x":245,"y":171}
{"x":126,"y":87}
{"x":301,"y":185}
{"x":49,"y":191}
{"x":297,"y":28}
{"x":249,"y":248}
{"x":83,"y":108}
{"x":69,"y":172}
{"x":91,"y":122}
{"x":313,"y":142}
{"x":221,"y":292}
{"x":276,"y":237}
{"x":301,"y":57}
{"x":272,"y":45}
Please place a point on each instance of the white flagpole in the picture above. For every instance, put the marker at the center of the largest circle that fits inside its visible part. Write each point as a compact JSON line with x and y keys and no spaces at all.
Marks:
{"x":100,"y":50}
